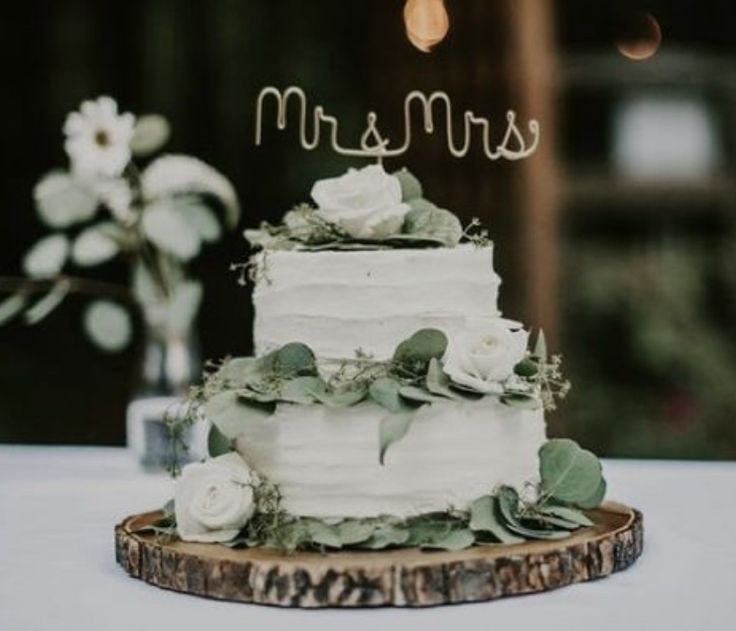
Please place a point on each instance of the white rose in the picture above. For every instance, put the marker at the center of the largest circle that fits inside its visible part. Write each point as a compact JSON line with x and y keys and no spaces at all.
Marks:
{"x":484,"y":353}
{"x":366,"y":203}
{"x":213,"y":500}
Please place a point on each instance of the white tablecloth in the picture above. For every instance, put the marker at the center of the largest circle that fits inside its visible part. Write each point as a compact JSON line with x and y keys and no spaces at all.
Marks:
{"x":58,"y":506}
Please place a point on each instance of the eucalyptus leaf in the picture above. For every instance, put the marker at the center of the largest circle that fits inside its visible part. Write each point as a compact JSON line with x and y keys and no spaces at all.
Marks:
{"x":594,"y":500}
{"x":568,"y":513}
{"x":424,"y":530}
{"x":151,"y":132}
{"x":415,"y":353}
{"x":386,"y":536}
{"x":429,"y":221}
{"x":240,"y":372}
{"x":458,"y":539}
{"x":420,"y":395}
{"x":292,"y":360}
{"x":93,"y":246}
{"x":232,"y":414}
{"x":46,"y":258}
{"x":411,"y":188}
{"x":323,"y":534}
{"x":217,"y":443}
{"x":526,"y":368}
{"x":302,"y":390}
{"x":12,"y":306}
{"x":508,"y":505}
{"x":483,"y":518}
{"x":353,"y":531}
{"x":342,"y":398}
{"x":521,"y":400}
{"x":48,"y":303}
{"x":387,"y":393}
{"x":569,"y":473}
{"x":108,"y":325}
{"x":169,"y":230}
{"x":438,"y":382}
{"x":392,"y":429}
{"x":62,"y":200}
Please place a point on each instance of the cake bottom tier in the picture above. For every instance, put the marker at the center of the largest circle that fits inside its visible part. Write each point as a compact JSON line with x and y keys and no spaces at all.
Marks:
{"x":326,"y":461}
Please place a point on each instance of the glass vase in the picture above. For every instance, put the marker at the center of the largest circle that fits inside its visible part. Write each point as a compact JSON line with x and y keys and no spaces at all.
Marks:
{"x":170,"y":365}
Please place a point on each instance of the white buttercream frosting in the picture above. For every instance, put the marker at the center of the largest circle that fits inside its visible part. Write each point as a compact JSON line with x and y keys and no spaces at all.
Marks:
{"x":339,"y":302}
{"x":325,"y":461}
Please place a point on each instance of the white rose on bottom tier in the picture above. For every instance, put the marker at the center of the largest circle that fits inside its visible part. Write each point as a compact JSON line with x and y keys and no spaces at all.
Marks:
{"x":213,"y":500}
{"x":366,"y":203}
{"x":483,"y":355}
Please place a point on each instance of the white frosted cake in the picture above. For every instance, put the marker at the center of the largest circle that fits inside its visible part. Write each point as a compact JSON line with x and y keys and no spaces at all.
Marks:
{"x":388,"y":402}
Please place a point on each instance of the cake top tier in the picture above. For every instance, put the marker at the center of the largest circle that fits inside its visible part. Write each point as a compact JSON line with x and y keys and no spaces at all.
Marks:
{"x":339,"y":303}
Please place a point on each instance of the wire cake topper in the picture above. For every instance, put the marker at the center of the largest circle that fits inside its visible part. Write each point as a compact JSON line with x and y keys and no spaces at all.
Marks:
{"x":373,"y":144}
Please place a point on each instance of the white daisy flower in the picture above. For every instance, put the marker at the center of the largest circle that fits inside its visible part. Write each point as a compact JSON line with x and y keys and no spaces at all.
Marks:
{"x":98,"y":138}
{"x":115,"y":194}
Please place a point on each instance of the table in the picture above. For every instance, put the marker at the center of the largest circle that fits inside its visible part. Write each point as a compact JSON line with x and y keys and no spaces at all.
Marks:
{"x":58,"y":506}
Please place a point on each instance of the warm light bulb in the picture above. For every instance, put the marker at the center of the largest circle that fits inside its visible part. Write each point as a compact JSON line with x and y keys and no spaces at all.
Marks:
{"x":639,"y":36}
{"x":426,"y":23}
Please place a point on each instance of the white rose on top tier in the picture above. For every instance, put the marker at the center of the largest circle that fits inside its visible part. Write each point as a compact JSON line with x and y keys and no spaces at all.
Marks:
{"x":484,"y":353}
{"x":213,"y":500}
{"x":366,"y":203}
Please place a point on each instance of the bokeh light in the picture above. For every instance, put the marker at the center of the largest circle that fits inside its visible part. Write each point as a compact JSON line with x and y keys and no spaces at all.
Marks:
{"x":638,"y":36}
{"x":426,"y":23}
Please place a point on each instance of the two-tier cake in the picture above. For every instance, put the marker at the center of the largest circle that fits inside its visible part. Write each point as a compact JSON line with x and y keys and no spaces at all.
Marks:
{"x":389,"y":404}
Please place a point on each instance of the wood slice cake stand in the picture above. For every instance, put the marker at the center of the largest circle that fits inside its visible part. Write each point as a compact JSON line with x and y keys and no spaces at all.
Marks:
{"x":408,"y":577}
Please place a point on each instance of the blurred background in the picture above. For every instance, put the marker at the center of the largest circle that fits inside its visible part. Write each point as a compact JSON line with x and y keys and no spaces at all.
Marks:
{"x":617,"y":236}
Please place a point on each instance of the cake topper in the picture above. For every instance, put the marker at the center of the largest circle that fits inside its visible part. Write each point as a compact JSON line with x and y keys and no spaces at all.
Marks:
{"x":373,"y":144}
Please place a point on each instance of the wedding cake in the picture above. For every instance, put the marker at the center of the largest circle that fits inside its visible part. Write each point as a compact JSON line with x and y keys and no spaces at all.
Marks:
{"x":388,"y":402}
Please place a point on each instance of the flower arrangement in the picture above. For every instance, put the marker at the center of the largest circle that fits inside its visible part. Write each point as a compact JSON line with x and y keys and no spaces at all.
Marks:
{"x":156,"y":217}
{"x":363,"y":209}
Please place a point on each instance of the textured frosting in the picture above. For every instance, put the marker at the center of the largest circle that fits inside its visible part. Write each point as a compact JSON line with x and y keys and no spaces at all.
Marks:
{"x":325,"y":461}
{"x":339,"y":302}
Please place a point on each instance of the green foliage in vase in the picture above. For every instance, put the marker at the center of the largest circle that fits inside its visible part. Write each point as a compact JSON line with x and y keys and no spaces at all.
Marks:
{"x":155,"y":215}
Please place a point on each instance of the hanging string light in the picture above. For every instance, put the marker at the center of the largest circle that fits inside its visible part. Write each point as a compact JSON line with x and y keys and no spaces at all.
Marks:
{"x":426,"y":23}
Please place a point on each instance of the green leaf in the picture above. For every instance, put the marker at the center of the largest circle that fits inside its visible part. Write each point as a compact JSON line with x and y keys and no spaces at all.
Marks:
{"x":411,"y":188}
{"x":342,"y":398}
{"x":521,"y":400}
{"x":108,"y":325}
{"x":322,"y":534}
{"x":169,"y":230}
{"x":595,"y":498}
{"x":569,"y":473}
{"x":392,"y":429}
{"x":62,"y":201}
{"x":387,"y":393}
{"x":12,"y":306}
{"x":240,"y":372}
{"x":151,"y":132}
{"x":419,"y":395}
{"x":567,"y":513}
{"x":302,"y":390}
{"x":508,"y":505}
{"x":172,"y":175}
{"x":48,"y":303}
{"x":232,"y":414}
{"x":354,"y":531}
{"x":428,"y":221}
{"x":424,"y":530}
{"x":483,"y":518}
{"x":385,"y":536}
{"x":526,"y":368}
{"x":94,"y":246}
{"x":458,"y":539}
{"x":46,"y":258}
{"x":438,"y":382}
{"x":217,"y":443}
{"x":540,"y":347}
{"x":415,"y":353}
{"x":292,"y":360}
